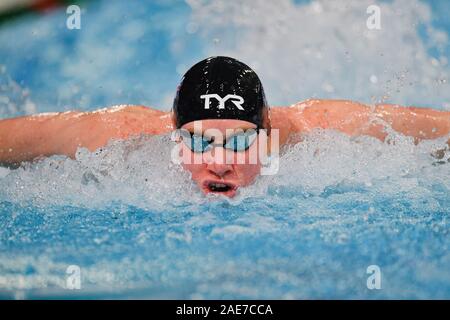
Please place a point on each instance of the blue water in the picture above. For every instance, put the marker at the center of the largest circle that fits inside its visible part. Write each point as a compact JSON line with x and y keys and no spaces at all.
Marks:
{"x":136,"y":225}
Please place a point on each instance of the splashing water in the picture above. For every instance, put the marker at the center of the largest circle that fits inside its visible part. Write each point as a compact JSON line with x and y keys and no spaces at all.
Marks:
{"x":324,"y":49}
{"x":300,"y":50}
{"x":14,"y":100}
{"x":137,"y":226}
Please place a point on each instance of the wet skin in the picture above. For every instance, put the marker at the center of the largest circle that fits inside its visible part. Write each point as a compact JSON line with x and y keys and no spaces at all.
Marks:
{"x":30,"y":137}
{"x":219,"y":171}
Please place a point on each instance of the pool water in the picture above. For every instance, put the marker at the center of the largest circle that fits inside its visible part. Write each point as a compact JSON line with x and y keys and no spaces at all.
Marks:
{"x":134,"y":223}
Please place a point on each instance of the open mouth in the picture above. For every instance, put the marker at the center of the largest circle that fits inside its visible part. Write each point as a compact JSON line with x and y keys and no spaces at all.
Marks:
{"x":219,"y":187}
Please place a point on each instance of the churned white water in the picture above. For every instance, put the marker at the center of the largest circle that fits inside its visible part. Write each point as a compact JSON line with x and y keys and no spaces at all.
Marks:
{"x":140,"y":172}
{"x":300,"y":50}
{"x":324,"y":49}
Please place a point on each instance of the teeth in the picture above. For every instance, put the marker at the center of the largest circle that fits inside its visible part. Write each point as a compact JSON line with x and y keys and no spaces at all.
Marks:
{"x":219,"y":187}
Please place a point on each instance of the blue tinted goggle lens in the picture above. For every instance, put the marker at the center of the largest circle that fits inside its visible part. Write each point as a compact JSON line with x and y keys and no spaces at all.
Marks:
{"x":238,"y":142}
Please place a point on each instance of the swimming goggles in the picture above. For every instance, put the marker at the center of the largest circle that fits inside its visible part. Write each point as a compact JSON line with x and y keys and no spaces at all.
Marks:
{"x":238,"y":142}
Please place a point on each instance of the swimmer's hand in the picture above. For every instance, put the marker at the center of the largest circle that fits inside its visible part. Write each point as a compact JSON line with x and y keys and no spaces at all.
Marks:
{"x":442,"y":155}
{"x":28,"y":138}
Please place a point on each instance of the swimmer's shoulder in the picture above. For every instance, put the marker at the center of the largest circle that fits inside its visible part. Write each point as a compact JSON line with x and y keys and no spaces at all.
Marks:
{"x":309,"y":105}
{"x":298,"y":116}
{"x":314,"y":113}
{"x":125,"y":120}
{"x":132,"y":109}
{"x":135,"y":112}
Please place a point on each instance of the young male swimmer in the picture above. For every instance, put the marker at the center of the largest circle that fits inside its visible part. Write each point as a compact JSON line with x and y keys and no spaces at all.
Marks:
{"x":219,"y":94}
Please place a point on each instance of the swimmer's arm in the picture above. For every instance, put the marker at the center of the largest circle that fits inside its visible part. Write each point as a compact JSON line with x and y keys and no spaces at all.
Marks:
{"x":355,"y":118}
{"x":30,"y":137}
{"x":26,"y":138}
{"x":420,"y":123}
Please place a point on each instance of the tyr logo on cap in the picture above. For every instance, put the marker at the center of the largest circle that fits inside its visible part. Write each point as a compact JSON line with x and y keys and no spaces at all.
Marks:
{"x":237,"y":100}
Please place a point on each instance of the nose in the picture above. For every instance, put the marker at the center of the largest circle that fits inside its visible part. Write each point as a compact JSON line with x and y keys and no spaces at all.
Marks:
{"x":216,"y":161}
{"x":219,"y":169}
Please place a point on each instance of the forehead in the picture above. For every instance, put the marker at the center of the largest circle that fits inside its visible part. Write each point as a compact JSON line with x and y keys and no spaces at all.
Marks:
{"x":219,"y":124}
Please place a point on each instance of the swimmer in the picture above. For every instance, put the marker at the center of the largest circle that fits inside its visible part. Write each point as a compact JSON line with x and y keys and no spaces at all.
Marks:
{"x":219,"y":95}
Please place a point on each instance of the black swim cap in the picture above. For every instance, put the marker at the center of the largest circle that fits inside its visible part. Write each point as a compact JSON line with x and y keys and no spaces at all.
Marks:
{"x":220,"y":88}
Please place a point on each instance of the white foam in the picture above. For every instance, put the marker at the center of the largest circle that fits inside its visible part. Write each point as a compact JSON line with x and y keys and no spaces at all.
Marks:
{"x":139,"y":172}
{"x":135,"y":172}
{"x":324,"y":49}
{"x":14,"y":100}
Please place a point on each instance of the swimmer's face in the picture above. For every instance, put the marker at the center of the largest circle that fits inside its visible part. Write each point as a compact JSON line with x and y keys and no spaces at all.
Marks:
{"x":217,"y":169}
